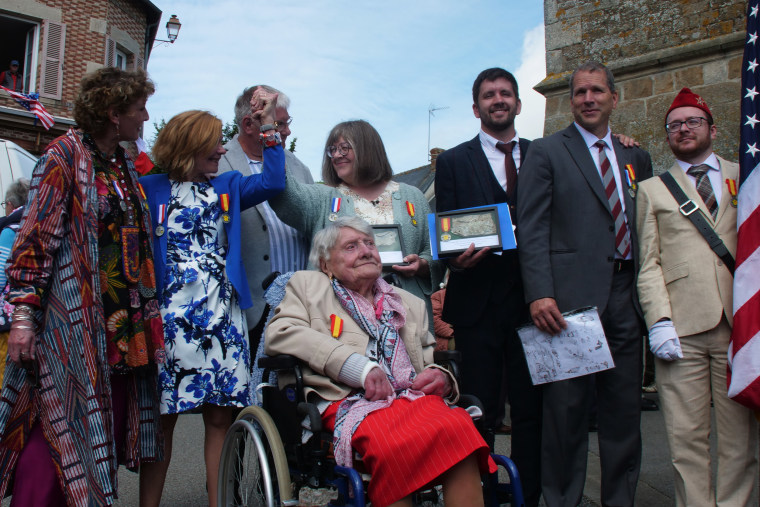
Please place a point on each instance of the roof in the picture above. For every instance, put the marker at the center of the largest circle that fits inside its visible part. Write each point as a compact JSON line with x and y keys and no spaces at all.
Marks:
{"x":422,"y":178}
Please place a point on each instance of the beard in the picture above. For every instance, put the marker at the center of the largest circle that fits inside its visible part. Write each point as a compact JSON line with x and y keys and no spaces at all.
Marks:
{"x":500,"y":125}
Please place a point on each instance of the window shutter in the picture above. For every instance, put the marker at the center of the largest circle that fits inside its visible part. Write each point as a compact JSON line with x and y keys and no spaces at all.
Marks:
{"x":139,"y":63}
{"x":51,"y":75}
{"x":110,"y":60}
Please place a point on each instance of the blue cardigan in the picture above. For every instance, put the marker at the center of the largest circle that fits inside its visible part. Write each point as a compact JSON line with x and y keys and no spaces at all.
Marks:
{"x":244,"y":192}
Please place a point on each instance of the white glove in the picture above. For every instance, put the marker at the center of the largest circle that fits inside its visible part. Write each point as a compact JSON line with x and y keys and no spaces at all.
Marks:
{"x":663,"y":341}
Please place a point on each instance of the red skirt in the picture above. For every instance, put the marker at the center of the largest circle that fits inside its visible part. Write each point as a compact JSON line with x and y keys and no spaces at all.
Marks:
{"x":406,"y":446}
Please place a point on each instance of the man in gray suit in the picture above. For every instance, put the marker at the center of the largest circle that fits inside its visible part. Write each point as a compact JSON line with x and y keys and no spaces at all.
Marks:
{"x":270,"y":245}
{"x":578,"y":247}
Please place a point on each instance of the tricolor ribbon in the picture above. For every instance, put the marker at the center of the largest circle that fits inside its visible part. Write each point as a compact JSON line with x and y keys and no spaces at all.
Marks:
{"x":410,"y":210}
{"x":336,"y":325}
{"x":118,"y":190}
{"x":161,"y":213}
{"x":630,"y":176}
{"x":335,"y":207}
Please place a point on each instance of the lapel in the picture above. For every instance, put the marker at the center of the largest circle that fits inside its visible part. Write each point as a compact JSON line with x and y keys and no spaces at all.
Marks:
{"x":625,"y":156}
{"x":221,"y":186}
{"x":481,"y":170}
{"x":161,"y":192}
{"x":579,"y":152}
{"x":727,"y":171}
{"x":691,"y":191}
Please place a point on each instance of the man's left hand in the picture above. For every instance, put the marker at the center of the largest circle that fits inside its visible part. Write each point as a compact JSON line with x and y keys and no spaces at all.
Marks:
{"x":432,"y":381}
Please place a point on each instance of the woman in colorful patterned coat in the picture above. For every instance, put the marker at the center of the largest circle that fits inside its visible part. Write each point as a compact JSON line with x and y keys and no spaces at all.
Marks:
{"x":201,"y":280}
{"x":79,"y":395}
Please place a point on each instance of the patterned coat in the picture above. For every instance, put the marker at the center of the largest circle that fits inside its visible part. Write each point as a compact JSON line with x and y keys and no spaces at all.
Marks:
{"x":54,"y":266}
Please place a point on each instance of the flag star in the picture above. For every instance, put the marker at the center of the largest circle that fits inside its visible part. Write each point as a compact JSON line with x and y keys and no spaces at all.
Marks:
{"x":751,"y":93}
{"x":751,"y":120}
{"x":752,"y":38}
{"x":751,"y":65}
{"x":752,"y":150}
{"x":754,"y":12}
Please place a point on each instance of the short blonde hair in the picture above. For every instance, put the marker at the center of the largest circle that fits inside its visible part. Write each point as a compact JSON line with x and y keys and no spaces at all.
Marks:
{"x":186,"y":136}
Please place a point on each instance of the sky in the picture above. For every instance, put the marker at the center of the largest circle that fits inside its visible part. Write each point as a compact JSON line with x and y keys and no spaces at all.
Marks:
{"x":384,"y":62}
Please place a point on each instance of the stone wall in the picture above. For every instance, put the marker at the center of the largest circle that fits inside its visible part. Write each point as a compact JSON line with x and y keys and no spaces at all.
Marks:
{"x":654,"y":48}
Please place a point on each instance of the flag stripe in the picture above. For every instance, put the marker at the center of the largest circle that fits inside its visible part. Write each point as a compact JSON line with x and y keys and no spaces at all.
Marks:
{"x":746,"y":280}
{"x":30,"y":103}
{"x":750,"y":232}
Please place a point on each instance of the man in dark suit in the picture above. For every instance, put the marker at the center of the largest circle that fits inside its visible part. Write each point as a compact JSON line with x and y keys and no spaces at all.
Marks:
{"x":578,"y":247}
{"x":484,"y":299}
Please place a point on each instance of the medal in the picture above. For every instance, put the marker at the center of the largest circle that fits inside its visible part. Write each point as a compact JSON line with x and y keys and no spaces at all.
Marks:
{"x":120,"y":193}
{"x":161,"y":217}
{"x":731,"y":184}
{"x":159,"y":230}
{"x":336,"y":326}
{"x":410,"y":210}
{"x":630,"y":175}
{"x":224,"y":200}
{"x":334,"y":208}
{"x":445,"y":227}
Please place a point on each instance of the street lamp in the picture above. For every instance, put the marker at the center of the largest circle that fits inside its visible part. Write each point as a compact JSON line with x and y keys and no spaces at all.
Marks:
{"x":172,"y":29}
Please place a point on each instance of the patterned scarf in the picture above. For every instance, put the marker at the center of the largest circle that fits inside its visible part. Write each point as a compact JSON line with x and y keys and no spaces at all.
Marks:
{"x":381,"y":323}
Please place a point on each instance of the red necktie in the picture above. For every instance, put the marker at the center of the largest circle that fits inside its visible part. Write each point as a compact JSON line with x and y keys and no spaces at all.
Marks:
{"x":622,"y":238}
{"x":510,"y":168}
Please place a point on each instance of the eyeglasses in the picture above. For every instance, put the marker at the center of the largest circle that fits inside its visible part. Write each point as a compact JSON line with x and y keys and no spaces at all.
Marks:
{"x":279,"y":126}
{"x":5,"y":203}
{"x":342,"y":150}
{"x":691,"y":123}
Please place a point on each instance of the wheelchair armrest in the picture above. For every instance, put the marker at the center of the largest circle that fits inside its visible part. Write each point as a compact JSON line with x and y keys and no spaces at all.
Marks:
{"x":447,"y":356}
{"x":281,"y":362}
{"x":269,"y":279}
{"x":315,"y":418}
{"x":469,"y":400}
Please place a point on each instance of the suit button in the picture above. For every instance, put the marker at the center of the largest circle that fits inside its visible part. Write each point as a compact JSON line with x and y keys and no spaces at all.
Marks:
{"x":612,"y":228}
{"x":720,"y":263}
{"x":610,"y":259}
{"x":266,"y":257}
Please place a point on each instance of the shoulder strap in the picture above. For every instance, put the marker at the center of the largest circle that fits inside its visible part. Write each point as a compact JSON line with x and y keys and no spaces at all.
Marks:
{"x":690,"y":210}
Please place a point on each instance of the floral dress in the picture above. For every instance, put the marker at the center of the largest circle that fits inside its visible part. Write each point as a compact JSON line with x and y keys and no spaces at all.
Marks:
{"x":208,"y":356}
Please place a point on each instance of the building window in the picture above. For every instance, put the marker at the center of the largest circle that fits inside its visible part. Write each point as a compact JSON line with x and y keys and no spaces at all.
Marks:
{"x":19,"y":41}
{"x":120,"y":60}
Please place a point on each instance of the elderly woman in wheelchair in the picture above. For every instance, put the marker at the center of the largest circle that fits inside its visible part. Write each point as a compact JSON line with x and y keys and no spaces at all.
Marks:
{"x":369,"y":369}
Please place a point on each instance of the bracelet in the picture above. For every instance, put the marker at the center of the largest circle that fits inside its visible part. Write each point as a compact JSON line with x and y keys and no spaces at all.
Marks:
{"x":24,"y":327}
{"x":267,"y":127}
{"x":270,"y":140}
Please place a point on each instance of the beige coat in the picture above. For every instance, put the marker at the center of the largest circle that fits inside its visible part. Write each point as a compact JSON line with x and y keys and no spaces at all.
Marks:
{"x":301,"y":327}
{"x":681,"y":278}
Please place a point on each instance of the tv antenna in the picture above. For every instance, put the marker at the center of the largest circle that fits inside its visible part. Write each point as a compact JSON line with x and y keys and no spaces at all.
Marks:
{"x":431,"y":111}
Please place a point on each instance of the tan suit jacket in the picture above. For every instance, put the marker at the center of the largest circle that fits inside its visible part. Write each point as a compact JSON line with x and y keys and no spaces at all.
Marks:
{"x":681,"y":278}
{"x":301,"y":327}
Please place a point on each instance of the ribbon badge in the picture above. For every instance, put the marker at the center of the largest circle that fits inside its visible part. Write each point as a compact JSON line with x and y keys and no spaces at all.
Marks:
{"x":334,"y":209}
{"x":630,"y":175}
{"x":121,"y":194}
{"x":445,"y":227}
{"x":142,"y":191}
{"x":224,"y":200}
{"x":410,"y":210}
{"x":336,"y":325}
{"x":731,"y":184}
{"x":161,"y":217}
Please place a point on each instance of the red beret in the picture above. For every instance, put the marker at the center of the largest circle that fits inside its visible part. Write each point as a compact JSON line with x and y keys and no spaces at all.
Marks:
{"x":687,"y":98}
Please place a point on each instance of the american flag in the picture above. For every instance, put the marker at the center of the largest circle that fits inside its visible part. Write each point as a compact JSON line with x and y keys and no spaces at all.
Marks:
{"x":31,"y":102}
{"x":744,"y":351}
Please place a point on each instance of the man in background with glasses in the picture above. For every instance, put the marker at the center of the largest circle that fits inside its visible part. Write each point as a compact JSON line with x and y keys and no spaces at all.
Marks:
{"x":270,"y":245}
{"x":685,"y":291}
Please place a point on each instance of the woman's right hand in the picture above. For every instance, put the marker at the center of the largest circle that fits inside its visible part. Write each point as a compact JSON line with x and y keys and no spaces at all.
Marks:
{"x":376,"y":385}
{"x":263,"y":105}
{"x":21,"y":345}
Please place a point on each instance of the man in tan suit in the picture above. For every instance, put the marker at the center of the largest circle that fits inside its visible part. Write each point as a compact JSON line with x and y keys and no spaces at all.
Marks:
{"x":685,"y":291}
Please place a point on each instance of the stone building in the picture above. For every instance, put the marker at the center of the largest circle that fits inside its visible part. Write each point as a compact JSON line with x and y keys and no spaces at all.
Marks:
{"x":654,"y":48}
{"x":59,"y":41}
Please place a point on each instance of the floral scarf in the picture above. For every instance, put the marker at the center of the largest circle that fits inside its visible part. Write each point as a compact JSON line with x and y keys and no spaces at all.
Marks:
{"x":381,"y":323}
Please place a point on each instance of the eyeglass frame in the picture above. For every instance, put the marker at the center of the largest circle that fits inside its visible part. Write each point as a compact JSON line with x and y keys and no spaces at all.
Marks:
{"x":343,"y":150}
{"x":701,"y":119}
{"x":279,"y":125}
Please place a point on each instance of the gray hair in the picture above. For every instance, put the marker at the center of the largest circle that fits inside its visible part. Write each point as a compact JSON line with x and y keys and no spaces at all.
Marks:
{"x":594,"y":66}
{"x":325,"y":240}
{"x":18,"y":192}
{"x":243,"y":103}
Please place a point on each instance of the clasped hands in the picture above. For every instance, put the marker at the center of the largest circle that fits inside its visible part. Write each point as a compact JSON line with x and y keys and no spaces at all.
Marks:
{"x":263,"y":105}
{"x":429,"y":381}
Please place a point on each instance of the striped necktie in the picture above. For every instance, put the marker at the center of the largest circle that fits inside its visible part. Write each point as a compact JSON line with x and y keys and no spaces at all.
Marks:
{"x":622,"y":238}
{"x":704,"y":188}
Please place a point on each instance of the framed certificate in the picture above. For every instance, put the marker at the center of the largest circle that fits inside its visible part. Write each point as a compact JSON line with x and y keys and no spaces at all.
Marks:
{"x":389,"y":243}
{"x":456,"y":230}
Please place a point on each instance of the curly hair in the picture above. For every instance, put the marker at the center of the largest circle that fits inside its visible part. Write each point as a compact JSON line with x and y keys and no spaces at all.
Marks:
{"x":184,"y":137}
{"x":108,"y":88}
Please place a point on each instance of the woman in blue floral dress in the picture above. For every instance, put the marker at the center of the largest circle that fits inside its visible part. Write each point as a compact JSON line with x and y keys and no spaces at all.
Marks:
{"x":201,"y":279}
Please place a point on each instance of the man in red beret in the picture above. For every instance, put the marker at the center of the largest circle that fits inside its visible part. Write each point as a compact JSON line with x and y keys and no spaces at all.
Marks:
{"x":685,"y":290}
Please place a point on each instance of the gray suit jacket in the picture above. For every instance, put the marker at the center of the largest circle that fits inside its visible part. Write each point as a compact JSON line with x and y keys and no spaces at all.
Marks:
{"x":566,"y":235}
{"x":253,"y":227}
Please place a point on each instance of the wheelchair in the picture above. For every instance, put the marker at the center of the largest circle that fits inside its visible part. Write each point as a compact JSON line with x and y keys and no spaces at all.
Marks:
{"x":266,"y":460}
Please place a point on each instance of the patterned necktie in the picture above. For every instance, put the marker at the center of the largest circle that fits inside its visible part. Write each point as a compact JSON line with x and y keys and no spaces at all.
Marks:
{"x":622,"y":238}
{"x":510,"y":168}
{"x":704,"y":188}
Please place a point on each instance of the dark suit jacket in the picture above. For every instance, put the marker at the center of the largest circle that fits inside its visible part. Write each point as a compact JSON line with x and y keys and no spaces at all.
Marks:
{"x":566,"y":236}
{"x":464,"y":179}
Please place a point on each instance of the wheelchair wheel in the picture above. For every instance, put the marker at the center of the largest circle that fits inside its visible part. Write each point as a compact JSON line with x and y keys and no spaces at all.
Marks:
{"x":253,"y":470}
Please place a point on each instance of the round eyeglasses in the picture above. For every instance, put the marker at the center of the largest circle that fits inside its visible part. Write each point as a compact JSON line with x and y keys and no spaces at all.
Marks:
{"x":342,"y":150}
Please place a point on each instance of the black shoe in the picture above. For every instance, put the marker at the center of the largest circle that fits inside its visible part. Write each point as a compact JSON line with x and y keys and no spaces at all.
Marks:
{"x":648,"y":405}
